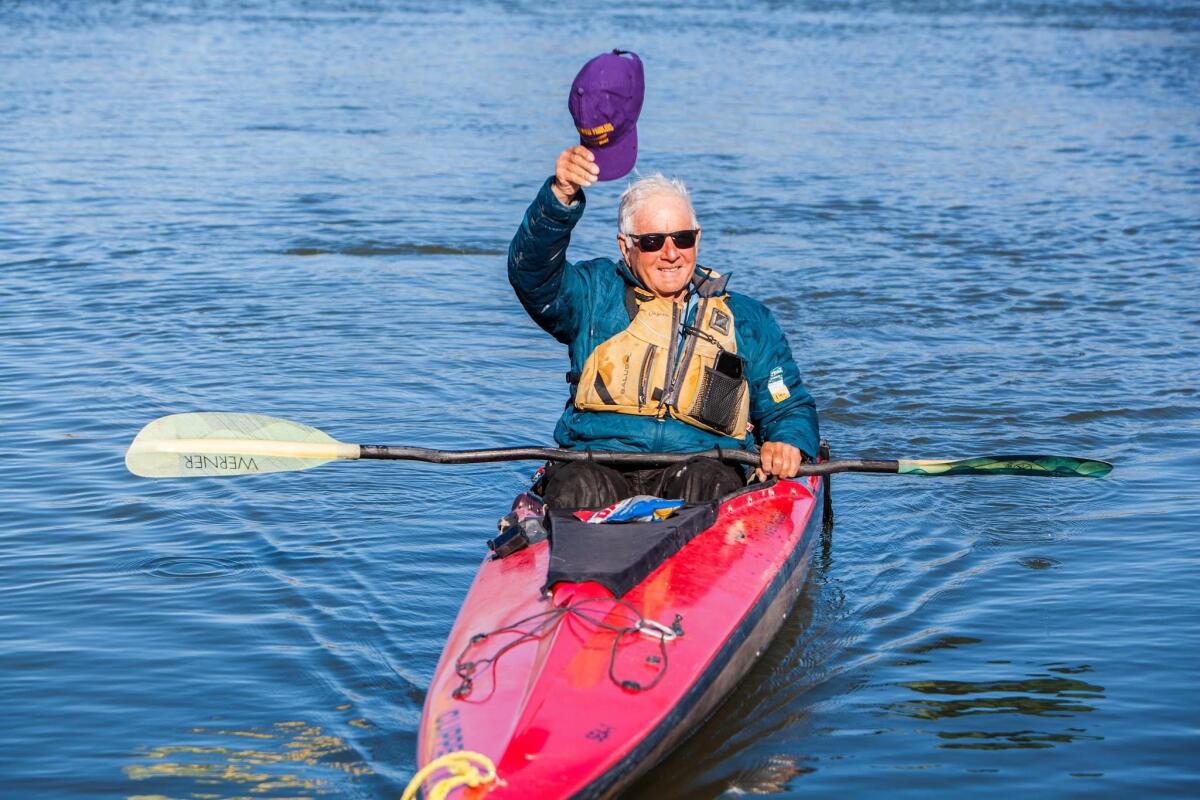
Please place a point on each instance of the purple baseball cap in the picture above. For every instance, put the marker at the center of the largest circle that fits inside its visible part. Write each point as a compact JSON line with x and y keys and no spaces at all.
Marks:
{"x":606,"y":99}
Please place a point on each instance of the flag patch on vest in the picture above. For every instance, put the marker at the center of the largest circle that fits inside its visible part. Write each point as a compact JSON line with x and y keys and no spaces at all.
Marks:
{"x":778,"y":389}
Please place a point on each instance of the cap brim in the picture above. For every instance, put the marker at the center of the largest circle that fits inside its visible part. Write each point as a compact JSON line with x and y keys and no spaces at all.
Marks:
{"x":616,"y":158}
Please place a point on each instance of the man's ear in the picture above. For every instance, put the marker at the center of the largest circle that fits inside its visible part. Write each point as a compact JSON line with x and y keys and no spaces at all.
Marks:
{"x":623,"y":243}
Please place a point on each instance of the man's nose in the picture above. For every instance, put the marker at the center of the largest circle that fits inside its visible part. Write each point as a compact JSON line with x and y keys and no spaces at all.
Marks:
{"x":670,"y":251}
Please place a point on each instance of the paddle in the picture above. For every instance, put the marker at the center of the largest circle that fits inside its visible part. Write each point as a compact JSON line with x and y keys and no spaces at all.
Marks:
{"x":224,"y":443}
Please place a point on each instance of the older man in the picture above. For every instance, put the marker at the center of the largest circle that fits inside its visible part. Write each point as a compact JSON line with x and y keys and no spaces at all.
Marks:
{"x":663,"y":357}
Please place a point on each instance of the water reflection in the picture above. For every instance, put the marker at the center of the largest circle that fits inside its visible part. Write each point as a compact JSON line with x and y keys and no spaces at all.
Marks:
{"x":1012,"y":740}
{"x":774,"y":776}
{"x":943,"y":643}
{"x":288,"y":757}
{"x":1035,"y":696}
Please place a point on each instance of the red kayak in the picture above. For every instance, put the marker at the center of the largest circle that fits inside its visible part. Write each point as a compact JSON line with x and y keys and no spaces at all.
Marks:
{"x":574,"y":692}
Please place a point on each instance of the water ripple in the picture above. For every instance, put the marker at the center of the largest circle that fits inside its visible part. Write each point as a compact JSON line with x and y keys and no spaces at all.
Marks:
{"x":191,"y":567}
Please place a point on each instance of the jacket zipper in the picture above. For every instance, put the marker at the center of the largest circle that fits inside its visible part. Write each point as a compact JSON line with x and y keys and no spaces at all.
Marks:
{"x":688,"y":350}
{"x":644,"y":375}
{"x":672,"y":346}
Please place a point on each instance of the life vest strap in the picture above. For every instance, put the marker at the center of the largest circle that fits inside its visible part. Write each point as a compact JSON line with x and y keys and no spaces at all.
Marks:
{"x":631,"y":302}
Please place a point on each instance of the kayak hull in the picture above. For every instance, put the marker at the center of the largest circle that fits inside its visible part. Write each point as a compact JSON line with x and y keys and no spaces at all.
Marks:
{"x":577,"y":710}
{"x":756,"y":633}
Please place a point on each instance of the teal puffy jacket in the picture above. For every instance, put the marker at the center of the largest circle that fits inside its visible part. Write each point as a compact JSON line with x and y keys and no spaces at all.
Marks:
{"x":583,"y":304}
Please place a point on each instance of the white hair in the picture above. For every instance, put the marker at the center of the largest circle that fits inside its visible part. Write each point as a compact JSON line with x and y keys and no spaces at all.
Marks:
{"x":641,"y":190}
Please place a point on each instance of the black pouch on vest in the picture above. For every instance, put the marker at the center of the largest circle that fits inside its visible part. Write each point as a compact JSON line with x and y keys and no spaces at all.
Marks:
{"x":720,"y":393}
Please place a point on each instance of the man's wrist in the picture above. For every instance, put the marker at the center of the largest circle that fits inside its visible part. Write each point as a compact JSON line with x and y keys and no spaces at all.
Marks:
{"x":550,"y":206}
{"x":568,"y":197}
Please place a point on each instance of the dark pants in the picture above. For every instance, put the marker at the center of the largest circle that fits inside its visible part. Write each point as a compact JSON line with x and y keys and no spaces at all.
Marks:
{"x":586,"y":484}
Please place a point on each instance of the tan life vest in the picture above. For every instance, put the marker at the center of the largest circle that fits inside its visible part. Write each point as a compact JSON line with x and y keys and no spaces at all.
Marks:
{"x":645,"y":370}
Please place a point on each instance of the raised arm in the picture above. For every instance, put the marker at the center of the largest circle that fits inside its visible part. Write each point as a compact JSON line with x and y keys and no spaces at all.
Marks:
{"x":537,"y":258}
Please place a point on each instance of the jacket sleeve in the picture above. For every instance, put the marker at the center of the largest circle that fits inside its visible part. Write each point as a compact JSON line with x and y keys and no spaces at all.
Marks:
{"x":547,"y":285}
{"x":781,"y":408}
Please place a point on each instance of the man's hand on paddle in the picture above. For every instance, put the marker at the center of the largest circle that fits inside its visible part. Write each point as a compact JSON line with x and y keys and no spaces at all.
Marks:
{"x":779,"y":459}
{"x":576,"y":168}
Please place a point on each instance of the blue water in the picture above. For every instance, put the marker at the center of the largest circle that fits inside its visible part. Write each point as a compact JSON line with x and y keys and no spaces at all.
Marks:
{"x":978,"y":223}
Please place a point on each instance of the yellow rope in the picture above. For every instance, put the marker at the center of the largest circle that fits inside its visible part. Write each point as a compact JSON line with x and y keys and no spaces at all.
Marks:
{"x":464,"y":767}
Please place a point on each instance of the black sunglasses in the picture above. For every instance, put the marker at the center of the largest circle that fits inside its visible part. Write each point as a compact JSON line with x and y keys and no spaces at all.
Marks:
{"x":653,"y":242}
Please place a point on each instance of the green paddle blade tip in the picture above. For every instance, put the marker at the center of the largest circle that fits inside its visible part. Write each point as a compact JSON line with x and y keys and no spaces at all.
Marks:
{"x":1037,"y":466}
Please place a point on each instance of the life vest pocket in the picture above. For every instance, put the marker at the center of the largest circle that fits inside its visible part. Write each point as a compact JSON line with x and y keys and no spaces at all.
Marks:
{"x":718,"y":401}
{"x":624,"y":374}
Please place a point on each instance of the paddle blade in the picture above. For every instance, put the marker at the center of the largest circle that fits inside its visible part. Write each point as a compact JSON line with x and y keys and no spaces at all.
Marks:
{"x":222,"y":443}
{"x":1043,"y":466}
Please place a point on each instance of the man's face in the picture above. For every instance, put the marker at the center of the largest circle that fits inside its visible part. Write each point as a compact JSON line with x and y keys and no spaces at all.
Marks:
{"x":668,"y":271}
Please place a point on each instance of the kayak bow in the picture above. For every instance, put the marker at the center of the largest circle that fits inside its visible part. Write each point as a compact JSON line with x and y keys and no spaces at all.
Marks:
{"x":576,"y":693}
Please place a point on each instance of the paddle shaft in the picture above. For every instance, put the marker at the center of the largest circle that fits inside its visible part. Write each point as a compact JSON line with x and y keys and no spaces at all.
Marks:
{"x":393,"y":453}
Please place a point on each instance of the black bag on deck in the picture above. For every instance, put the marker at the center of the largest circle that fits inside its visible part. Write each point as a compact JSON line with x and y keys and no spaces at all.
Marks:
{"x":619,"y":555}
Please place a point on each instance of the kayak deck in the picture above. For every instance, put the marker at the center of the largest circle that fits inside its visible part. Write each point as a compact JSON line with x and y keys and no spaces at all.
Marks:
{"x":565,"y":694}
